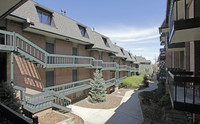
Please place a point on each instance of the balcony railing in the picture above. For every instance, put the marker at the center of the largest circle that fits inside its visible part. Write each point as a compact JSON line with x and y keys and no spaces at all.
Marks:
{"x":120,"y":80}
{"x":97,"y":63}
{"x":69,"y":88}
{"x":162,"y":50}
{"x":184,"y":91}
{"x":110,"y":82}
{"x":41,"y":101}
{"x":54,"y":60}
{"x":109,"y":65}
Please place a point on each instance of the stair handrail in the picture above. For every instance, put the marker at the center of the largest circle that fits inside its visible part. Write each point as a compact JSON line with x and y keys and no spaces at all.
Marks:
{"x":66,"y":84}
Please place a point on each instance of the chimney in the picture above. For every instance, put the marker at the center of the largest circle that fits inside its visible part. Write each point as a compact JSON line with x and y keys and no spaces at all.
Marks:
{"x":61,"y":11}
{"x":64,"y":12}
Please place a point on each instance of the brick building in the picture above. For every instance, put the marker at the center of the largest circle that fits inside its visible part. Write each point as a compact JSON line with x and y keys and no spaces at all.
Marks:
{"x":179,"y":58}
{"x":51,"y":58}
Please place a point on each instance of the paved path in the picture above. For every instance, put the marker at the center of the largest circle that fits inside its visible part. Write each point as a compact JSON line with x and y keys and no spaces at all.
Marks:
{"x":129,"y":112}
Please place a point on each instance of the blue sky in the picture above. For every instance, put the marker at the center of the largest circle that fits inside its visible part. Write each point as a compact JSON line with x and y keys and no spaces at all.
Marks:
{"x":132,"y":24}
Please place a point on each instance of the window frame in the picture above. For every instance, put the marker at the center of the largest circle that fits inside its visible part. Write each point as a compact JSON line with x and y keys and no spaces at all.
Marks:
{"x":83,"y":31}
{"x":42,"y":13}
{"x":106,"y":42}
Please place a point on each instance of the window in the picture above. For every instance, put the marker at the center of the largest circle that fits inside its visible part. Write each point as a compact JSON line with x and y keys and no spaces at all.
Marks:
{"x":100,"y":55}
{"x":83,"y":31}
{"x":105,"y":42}
{"x":74,"y":75}
{"x":122,"y":51}
{"x":75,"y":53}
{"x":44,"y":16}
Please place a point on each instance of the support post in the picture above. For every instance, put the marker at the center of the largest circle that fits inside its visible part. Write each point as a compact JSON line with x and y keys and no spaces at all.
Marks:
{"x":12,"y":68}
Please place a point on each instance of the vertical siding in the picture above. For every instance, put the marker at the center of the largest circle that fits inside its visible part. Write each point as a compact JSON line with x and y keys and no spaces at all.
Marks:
{"x":192,"y":64}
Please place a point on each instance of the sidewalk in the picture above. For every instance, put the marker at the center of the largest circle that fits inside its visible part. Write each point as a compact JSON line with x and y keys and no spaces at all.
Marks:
{"x":129,"y":112}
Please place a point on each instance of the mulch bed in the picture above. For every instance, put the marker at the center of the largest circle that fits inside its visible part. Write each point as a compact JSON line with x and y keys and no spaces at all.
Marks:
{"x":51,"y":118}
{"x":113,"y":100}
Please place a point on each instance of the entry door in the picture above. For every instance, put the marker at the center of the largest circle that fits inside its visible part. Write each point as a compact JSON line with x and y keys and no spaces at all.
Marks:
{"x":49,"y":78}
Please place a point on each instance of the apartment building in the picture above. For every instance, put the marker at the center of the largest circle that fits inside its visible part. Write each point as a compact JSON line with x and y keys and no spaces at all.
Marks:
{"x":179,"y":57}
{"x":144,"y":65}
{"x":50,"y":59}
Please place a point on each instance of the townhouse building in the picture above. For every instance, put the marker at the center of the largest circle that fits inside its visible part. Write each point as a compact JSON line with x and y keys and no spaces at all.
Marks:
{"x":50,"y":59}
{"x":179,"y":57}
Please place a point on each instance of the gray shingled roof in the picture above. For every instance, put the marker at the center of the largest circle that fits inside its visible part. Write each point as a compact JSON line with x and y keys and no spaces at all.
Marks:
{"x":119,"y":52}
{"x":141,"y":59}
{"x":99,"y":42}
{"x":130,"y":58}
{"x":61,"y":24}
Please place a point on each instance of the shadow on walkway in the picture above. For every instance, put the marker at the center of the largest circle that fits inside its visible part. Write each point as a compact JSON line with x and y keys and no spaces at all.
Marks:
{"x":130,"y":112}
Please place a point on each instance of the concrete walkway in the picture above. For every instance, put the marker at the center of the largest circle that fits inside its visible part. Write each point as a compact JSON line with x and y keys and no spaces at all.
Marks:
{"x":129,"y":111}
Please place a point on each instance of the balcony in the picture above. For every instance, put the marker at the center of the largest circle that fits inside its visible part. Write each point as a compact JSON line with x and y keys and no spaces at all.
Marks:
{"x":164,"y":27}
{"x":122,"y":68}
{"x":162,"y":50}
{"x":162,"y":56}
{"x":181,"y":27}
{"x":176,"y":47}
{"x":97,"y":64}
{"x":163,"y":37}
{"x":184,"y":90}
{"x":109,"y":65}
{"x":162,"y":43}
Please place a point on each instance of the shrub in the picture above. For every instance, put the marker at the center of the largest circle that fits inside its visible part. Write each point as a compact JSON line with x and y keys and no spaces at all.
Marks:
{"x":7,"y":97}
{"x":164,"y":101}
{"x":145,"y":82}
{"x":133,"y":81}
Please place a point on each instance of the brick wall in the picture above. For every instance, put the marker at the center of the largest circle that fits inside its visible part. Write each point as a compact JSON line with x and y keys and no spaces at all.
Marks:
{"x":95,"y":54}
{"x":82,"y":51}
{"x":63,"y":47}
{"x":84,"y":73}
{"x":27,"y":74}
{"x":37,"y":39}
{"x":63,"y":75}
{"x":106,"y":57}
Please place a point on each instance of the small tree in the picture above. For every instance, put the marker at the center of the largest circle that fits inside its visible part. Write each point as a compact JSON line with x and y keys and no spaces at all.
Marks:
{"x":98,"y":89}
{"x":7,"y":97}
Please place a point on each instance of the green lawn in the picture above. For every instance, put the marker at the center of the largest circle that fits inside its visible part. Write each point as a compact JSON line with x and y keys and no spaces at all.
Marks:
{"x":133,"y":81}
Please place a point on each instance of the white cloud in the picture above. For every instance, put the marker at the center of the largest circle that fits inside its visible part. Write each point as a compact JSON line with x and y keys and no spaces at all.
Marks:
{"x":130,"y":34}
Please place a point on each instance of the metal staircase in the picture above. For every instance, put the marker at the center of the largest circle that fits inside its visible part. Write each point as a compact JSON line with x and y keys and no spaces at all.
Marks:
{"x":42,"y":101}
